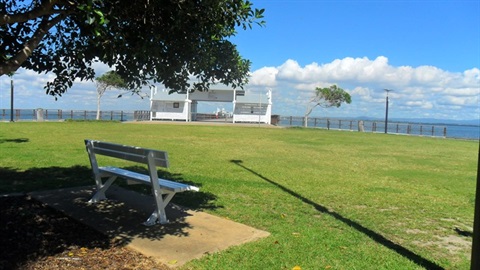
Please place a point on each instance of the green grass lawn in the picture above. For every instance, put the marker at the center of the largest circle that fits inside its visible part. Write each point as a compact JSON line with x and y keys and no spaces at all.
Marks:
{"x":330,"y":199}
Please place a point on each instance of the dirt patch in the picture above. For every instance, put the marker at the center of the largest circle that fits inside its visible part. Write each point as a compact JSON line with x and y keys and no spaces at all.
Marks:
{"x":393,"y":208}
{"x":415,"y":231}
{"x":453,"y":243}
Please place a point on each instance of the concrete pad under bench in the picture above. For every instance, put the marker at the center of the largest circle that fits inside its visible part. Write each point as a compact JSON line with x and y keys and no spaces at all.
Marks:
{"x":189,"y":235}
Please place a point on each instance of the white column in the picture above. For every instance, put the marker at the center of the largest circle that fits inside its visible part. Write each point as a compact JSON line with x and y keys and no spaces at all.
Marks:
{"x":234,"y":102}
{"x":268,"y":113}
{"x":188,"y":108}
{"x":153,"y":91}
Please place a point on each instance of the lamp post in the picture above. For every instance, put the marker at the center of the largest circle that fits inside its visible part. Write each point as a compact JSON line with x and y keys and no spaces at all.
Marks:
{"x":386,"y":110}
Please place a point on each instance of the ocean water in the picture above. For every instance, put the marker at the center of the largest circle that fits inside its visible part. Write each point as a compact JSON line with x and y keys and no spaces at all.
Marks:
{"x":471,"y":132}
{"x":463,"y":131}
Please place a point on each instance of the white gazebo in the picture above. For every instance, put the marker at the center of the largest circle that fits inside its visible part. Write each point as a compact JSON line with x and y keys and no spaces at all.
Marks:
{"x":248,"y":107}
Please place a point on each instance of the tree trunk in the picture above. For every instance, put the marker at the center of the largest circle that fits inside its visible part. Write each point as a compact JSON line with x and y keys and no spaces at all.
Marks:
{"x":307,"y":113}
{"x":98,"y":107}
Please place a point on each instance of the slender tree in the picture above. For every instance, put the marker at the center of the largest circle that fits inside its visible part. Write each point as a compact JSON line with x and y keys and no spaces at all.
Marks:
{"x":159,"y":41}
{"x":326,"y":97}
{"x":108,"y":81}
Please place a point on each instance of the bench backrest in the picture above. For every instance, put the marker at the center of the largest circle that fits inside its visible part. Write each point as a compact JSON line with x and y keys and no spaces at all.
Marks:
{"x":130,"y":153}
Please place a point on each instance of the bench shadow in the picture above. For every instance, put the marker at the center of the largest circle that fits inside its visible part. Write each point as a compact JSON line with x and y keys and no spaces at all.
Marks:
{"x":14,"y":180}
{"x":67,"y":190}
{"x":417,"y":259}
{"x":120,"y":216}
{"x":194,"y":200}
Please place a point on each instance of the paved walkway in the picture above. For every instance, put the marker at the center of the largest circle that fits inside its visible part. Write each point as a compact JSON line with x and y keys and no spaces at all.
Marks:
{"x":189,"y":235}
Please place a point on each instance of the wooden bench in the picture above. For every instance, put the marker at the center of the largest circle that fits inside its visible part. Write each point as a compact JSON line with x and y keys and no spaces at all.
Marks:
{"x":163,"y":190}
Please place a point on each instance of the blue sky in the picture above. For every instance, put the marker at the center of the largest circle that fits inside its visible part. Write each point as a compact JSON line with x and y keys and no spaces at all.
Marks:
{"x":428,"y":52}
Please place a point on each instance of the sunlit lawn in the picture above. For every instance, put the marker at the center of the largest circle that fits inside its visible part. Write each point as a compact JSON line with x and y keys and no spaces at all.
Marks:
{"x":330,"y":199}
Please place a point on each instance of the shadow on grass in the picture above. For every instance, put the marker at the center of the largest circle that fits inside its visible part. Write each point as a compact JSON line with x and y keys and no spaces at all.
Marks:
{"x":15,"y":180}
{"x":417,"y":259}
{"x":67,"y":190}
{"x":463,"y":232}
{"x":19,"y":140}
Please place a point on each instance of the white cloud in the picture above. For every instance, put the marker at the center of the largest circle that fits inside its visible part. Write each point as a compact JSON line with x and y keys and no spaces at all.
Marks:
{"x":263,"y":77}
{"x":471,"y":77}
{"x":290,"y":70}
{"x":461,"y":101}
{"x":462,"y":91}
{"x":422,"y":104}
{"x":426,"y":90}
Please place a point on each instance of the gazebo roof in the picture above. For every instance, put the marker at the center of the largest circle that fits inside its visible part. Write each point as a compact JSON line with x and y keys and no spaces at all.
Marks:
{"x":220,"y":89}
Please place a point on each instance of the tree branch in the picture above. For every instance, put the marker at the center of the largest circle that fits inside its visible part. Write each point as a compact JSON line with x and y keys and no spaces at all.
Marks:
{"x":17,"y":60}
{"x":44,"y":9}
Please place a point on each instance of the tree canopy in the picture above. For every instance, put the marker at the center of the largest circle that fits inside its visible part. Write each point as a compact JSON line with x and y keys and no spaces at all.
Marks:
{"x":159,"y":41}
{"x":108,"y":81}
{"x":326,"y":97}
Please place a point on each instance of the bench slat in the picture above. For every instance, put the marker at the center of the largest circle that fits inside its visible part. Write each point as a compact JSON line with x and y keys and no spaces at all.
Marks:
{"x":131,"y":153}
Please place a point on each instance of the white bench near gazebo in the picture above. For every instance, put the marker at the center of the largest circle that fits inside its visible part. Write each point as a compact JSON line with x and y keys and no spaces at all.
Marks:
{"x":247,"y":106}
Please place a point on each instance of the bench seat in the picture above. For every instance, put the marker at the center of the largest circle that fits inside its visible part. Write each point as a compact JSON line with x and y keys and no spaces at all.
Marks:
{"x":143,"y":178}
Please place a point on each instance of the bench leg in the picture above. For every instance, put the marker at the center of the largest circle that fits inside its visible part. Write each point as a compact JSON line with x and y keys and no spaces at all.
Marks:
{"x":100,"y":193}
{"x":159,"y":215}
{"x":152,"y":220}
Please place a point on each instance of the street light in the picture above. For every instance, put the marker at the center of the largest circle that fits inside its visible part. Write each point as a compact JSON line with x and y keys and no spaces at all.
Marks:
{"x":386,"y":110}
